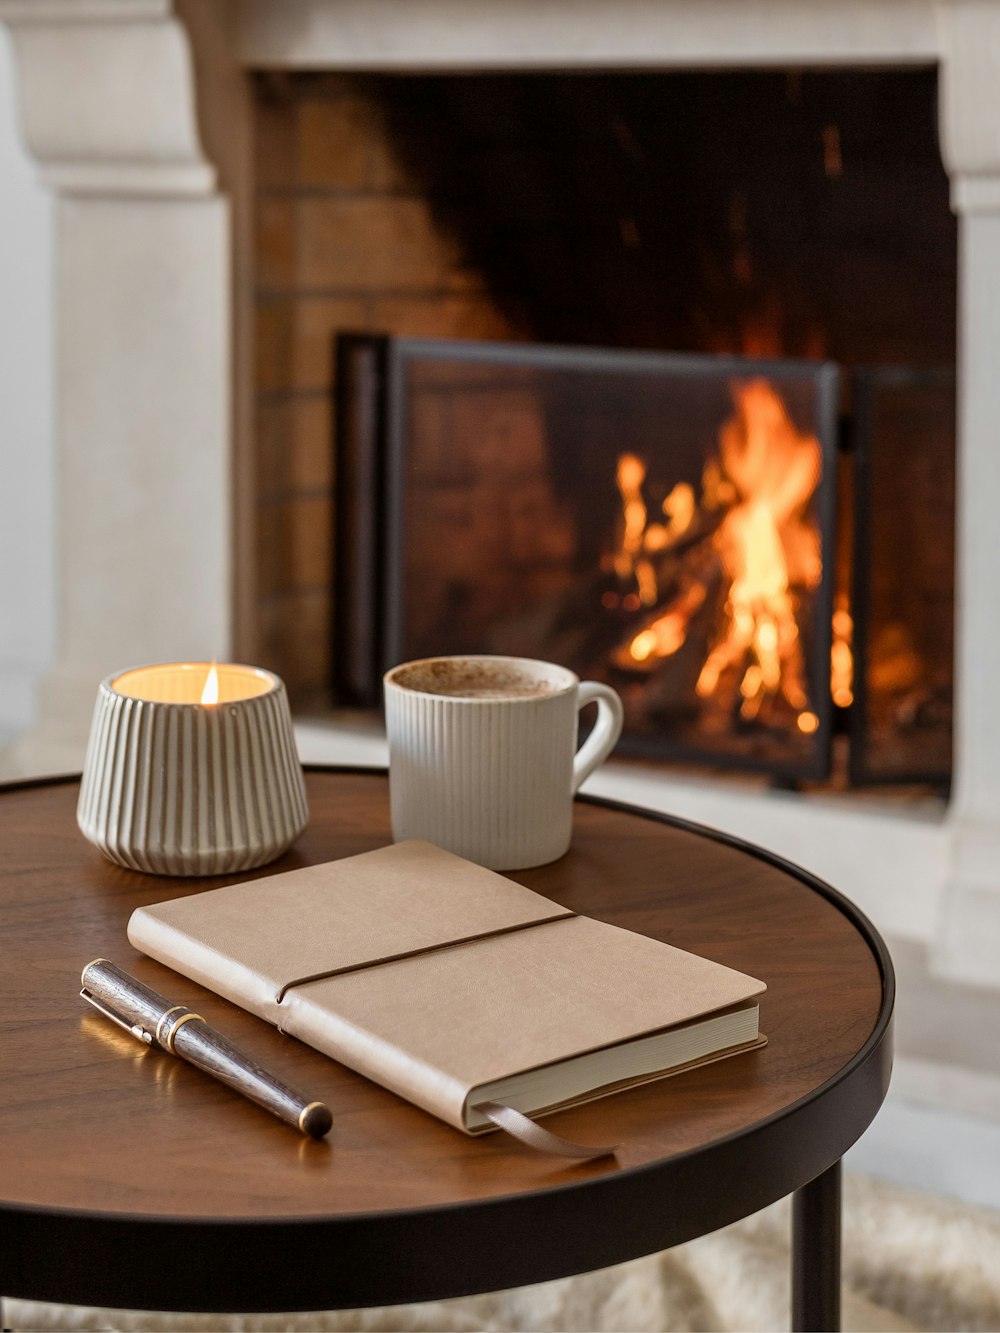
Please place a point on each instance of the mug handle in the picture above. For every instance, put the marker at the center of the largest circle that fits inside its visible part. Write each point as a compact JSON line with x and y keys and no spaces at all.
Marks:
{"x":607,"y":729}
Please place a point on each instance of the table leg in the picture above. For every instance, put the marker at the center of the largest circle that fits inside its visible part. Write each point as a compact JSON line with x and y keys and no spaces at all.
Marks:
{"x":816,"y":1254}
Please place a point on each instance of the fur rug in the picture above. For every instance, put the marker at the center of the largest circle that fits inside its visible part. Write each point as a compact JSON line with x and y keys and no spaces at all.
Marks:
{"x":911,"y":1262}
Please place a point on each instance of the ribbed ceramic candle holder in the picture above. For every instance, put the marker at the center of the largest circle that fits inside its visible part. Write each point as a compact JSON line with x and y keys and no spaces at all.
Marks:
{"x":176,"y":784}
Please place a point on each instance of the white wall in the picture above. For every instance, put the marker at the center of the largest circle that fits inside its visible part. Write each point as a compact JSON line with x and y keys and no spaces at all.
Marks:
{"x":27,"y":528}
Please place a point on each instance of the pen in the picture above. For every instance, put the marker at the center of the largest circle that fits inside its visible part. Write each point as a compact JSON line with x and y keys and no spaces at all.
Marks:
{"x":152,"y":1019}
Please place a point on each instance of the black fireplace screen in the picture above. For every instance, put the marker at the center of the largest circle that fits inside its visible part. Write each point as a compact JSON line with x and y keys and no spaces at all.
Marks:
{"x":903,"y":576}
{"x":660,"y":522}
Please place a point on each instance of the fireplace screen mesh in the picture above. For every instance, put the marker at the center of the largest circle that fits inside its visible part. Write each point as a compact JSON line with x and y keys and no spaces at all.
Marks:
{"x":659,"y":522}
{"x":903,"y":575}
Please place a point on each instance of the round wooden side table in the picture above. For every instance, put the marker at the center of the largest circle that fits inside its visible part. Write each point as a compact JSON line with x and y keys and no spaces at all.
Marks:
{"x":129,"y":1179}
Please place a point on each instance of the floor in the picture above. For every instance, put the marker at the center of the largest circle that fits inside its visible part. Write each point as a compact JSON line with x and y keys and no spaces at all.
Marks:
{"x":932,"y":1149}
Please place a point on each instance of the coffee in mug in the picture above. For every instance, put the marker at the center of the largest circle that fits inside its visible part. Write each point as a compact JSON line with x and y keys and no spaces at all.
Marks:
{"x":483,"y":757}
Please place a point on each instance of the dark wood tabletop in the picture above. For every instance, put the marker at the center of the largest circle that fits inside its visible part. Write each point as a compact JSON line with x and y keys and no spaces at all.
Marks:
{"x":129,"y":1178}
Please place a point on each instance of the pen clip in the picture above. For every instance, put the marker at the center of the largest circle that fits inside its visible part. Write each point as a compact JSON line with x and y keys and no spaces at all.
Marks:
{"x":132,"y":1028}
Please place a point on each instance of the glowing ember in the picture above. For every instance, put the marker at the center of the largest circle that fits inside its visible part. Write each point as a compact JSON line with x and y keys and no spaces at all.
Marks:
{"x":667,"y":633}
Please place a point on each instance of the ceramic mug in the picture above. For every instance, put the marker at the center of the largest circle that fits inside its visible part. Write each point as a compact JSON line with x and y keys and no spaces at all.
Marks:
{"x":483,"y":757}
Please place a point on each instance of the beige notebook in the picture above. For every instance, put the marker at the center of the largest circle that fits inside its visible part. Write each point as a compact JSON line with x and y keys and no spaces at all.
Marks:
{"x":452,"y":985}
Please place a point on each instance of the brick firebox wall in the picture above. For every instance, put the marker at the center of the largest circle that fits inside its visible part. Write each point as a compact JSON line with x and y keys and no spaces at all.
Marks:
{"x":345,"y":242}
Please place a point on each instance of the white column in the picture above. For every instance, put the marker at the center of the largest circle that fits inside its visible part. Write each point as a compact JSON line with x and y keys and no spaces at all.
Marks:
{"x":967,"y":946}
{"x":27,"y":615}
{"x":144,"y":350}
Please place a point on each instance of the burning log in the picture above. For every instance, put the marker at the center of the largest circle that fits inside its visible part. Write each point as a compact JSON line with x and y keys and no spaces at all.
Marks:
{"x":702,"y":596}
{"x":754,"y":498}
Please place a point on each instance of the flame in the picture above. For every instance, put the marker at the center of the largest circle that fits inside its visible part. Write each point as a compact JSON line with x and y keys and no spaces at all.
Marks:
{"x":680,"y":508}
{"x":841,"y":654}
{"x":639,"y":538}
{"x":630,"y":476}
{"x":210,"y":694}
{"x":668,"y":632}
{"x":637,"y":535}
{"x":766,"y":545}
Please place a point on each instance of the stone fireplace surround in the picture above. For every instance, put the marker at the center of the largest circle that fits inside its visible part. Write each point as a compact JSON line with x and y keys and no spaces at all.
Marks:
{"x":139,"y":116}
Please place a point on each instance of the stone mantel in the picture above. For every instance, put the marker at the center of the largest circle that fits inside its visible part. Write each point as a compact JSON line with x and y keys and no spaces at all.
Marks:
{"x":130,"y":127}
{"x":596,"y":34}
{"x":138,"y":115}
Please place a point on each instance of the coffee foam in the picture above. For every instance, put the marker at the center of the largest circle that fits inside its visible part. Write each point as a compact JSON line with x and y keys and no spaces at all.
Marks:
{"x":462,"y":678}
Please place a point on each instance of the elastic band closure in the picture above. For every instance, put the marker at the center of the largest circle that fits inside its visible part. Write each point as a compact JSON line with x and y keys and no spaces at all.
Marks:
{"x":416,"y":953}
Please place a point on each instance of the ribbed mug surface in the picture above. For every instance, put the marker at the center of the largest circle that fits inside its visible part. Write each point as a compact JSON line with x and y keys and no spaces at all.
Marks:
{"x":181,"y":788}
{"x":492,"y":779}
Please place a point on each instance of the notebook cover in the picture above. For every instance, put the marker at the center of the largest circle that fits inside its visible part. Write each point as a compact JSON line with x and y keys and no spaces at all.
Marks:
{"x":434,"y":1025}
{"x":248,"y":942}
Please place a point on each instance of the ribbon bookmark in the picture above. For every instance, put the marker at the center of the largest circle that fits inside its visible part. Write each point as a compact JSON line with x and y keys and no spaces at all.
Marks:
{"x":531,"y":1133}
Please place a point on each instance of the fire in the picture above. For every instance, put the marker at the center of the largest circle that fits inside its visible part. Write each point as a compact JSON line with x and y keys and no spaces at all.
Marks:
{"x":765,"y":545}
{"x":842,"y":655}
{"x":630,"y":560}
{"x":210,"y":694}
{"x":668,"y":632}
{"x":630,"y":476}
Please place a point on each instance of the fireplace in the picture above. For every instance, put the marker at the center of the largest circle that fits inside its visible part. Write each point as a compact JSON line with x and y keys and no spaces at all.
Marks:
{"x":789,"y":220}
{"x":770,"y":214}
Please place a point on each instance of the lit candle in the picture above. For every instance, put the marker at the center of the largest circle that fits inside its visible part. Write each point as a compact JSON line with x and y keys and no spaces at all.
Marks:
{"x":191,"y":769}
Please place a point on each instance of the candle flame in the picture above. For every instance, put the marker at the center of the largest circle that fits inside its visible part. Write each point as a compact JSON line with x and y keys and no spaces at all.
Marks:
{"x":210,"y":694}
